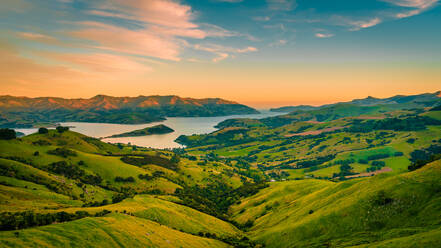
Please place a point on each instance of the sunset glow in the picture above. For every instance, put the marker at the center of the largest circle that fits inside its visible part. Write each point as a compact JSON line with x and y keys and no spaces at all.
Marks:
{"x":261,"y":53}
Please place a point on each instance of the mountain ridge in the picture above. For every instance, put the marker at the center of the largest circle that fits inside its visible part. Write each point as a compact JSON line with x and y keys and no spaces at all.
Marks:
{"x":9,"y":101}
{"x":27,"y":112}
{"x":368,"y":101}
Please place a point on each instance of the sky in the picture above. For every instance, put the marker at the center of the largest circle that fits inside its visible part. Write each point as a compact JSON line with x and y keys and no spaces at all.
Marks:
{"x":263,"y":53}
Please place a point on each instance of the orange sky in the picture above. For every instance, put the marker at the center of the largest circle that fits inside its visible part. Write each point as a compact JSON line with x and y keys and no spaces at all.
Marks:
{"x":256,"y":84}
{"x":275,"y":55}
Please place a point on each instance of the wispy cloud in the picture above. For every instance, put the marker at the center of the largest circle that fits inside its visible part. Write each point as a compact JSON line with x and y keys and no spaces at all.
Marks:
{"x":161,"y":12}
{"x":278,"y":43}
{"x":222,"y":52}
{"x":418,"y":6}
{"x":230,"y":1}
{"x":101,"y":62}
{"x":262,"y":18}
{"x":165,"y":25}
{"x":137,"y":42}
{"x":324,"y":35}
{"x":357,"y":25}
{"x":282,"y":5}
{"x":37,"y":37}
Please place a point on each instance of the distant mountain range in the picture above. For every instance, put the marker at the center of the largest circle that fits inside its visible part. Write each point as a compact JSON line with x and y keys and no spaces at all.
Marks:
{"x":371,"y":101}
{"x":28,"y":112}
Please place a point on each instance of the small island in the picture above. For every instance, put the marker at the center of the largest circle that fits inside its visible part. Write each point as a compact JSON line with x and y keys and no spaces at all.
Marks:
{"x":158,"y":129}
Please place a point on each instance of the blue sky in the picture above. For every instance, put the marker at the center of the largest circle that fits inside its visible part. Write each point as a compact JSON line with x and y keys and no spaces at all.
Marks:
{"x":223,"y":47}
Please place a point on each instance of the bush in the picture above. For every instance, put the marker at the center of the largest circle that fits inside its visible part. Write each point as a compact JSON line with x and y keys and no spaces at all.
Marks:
{"x":398,"y":154}
{"x":378,"y":156}
{"x":378,"y":163}
{"x":63,"y":152}
{"x":43,"y":130}
{"x":62,"y":129}
{"x":363,"y":161}
{"x":125,"y":180}
{"x":7,"y":134}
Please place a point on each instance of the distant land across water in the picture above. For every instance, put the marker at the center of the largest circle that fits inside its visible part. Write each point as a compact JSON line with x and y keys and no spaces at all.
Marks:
{"x":25,"y":112}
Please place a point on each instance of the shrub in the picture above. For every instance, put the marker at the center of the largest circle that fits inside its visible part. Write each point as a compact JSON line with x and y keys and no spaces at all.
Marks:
{"x":378,"y":163}
{"x":62,"y":129}
{"x":43,"y":130}
{"x":7,"y":134}
{"x":398,"y":154}
{"x":63,"y":152}
{"x":363,"y":161}
{"x":125,"y":180}
{"x":378,"y":156}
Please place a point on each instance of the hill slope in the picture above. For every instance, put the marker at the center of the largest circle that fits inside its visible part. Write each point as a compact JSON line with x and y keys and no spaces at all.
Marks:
{"x":384,"y":210}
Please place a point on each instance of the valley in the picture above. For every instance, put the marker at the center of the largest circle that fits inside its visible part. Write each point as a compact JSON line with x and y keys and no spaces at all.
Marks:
{"x":354,"y":177}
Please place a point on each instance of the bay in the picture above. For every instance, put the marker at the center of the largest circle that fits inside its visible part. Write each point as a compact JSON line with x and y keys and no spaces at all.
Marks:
{"x":181,"y":125}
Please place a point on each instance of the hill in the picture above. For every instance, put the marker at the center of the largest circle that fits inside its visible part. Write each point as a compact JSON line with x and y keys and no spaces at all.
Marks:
{"x":60,"y":183}
{"x":382,"y":211}
{"x":26,"y":112}
{"x":158,"y":129}
{"x":285,"y":148}
{"x":426,"y":99}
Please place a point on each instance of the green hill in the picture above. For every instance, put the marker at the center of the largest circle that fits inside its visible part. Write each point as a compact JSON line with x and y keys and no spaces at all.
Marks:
{"x":386,"y":210}
{"x":114,"y":230}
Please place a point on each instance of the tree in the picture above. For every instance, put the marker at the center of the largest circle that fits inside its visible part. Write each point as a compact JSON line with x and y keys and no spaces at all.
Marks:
{"x":7,"y":134}
{"x":175,"y":159}
{"x":43,"y":130}
{"x":62,"y":129}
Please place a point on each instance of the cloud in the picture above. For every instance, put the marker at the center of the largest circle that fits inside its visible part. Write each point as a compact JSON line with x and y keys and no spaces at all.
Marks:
{"x":246,"y":50}
{"x":161,"y":12}
{"x":165,"y":26}
{"x":223,"y":52}
{"x":138,"y":42}
{"x":221,"y":56}
{"x":230,"y":1}
{"x":262,"y":18}
{"x":100,"y":62}
{"x":280,"y":26}
{"x":282,"y":5}
{"x":37,"y":37}
{"x":324,"y":35}
{"x":418,"y":5}
{"x":278,"y":43}
{"x":357,"y":25}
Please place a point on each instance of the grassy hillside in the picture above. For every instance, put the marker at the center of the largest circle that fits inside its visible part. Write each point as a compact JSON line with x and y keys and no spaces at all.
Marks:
{"x":384,"y":211}
{"x":68,"y":177}
{"x":302,"y":149}
{"x":114,"y":230}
